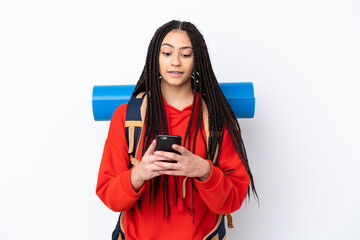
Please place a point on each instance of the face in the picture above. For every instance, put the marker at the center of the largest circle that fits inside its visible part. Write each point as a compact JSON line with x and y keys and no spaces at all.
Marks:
{"x":176,"y":59}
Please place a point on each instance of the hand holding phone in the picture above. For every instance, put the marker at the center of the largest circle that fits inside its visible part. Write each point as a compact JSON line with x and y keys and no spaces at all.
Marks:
{"x":165,"y":142}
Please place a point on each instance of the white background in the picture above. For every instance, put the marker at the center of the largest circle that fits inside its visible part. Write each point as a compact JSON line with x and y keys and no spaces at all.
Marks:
{"x":303,"y":144}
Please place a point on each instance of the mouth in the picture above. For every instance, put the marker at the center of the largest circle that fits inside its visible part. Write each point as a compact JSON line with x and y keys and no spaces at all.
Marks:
{"x":175,"y":73}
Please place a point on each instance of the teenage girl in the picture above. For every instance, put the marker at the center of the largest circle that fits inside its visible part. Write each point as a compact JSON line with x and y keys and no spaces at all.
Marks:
{"x":211,"y":176}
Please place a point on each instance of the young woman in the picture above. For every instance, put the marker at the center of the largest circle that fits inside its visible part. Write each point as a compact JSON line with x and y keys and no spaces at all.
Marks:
{"x":211,"y":176}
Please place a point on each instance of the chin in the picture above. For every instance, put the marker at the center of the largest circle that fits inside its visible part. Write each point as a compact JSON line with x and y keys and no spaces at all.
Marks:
{"x":177,"y":83}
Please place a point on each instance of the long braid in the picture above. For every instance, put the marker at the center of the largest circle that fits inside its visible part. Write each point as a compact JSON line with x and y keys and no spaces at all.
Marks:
{"x":205,"y":85}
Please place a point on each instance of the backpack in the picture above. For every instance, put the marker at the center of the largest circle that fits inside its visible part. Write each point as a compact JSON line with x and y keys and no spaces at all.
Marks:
{"x":135,"y":116}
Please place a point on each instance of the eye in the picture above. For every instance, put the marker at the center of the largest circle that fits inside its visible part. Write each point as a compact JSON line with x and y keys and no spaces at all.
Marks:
{"x":186,"y":55}
{"x":166,"y":54}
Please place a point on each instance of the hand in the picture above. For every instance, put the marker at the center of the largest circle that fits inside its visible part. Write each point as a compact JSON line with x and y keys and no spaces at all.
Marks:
{"x":187,"y":164}
{"x":146,"y":169}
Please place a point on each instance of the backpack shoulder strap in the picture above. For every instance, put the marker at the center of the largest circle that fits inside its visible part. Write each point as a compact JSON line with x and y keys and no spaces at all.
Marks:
{"x":134,"y":122}
{"x":135,"y":117}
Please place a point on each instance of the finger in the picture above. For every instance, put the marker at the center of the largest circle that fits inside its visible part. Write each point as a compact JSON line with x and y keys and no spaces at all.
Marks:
{"x":168,"y":155}
{"x":179,"y":148}
{"x":149,"y":159}
{"x":156,"y":158}
{"x":153,"y":171}
{"x":166,"y":165}
{"x":172,"y":172}
{"x":151,"y":148}
{"x":155,"y":168}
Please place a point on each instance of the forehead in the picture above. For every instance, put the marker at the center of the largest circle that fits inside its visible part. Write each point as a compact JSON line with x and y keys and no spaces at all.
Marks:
{"x":177,"y":38}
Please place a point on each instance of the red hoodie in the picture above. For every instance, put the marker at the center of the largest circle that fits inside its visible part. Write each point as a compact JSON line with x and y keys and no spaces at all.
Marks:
{"x":222,"y":193}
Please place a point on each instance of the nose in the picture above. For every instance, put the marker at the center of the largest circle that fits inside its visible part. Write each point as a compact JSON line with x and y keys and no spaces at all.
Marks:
{"x":175,"y":61}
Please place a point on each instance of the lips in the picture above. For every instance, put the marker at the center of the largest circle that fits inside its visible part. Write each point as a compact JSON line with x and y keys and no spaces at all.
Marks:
{"x":175,"y":73}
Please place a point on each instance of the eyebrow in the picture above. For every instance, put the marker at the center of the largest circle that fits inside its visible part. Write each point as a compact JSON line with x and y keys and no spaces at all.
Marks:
{"x":167,"y":44}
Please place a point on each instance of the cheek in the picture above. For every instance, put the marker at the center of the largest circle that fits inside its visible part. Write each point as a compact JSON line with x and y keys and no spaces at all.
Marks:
{"x":161,"y":63}
{"x":191,"y":65}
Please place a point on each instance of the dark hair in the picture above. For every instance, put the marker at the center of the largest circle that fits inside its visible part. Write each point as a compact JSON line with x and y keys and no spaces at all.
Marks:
{"x":205,"y":83}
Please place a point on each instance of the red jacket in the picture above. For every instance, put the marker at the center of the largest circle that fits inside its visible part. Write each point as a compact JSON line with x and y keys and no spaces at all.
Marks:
{"x":222,"y":193}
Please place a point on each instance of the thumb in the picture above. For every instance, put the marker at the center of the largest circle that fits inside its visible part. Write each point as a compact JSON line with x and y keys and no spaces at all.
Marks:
{"x":151,"y":148}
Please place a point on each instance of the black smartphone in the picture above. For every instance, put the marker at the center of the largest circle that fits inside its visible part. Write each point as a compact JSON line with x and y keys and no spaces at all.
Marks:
{"x":165,"y":142}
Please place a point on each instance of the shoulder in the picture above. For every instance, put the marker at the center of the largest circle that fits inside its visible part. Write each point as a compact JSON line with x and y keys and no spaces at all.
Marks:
{"x":117,"y":123}
{"x":120,"y":112}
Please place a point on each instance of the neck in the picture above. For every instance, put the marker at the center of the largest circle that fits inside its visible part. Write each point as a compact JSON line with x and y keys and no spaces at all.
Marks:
{"x":177,"y":96}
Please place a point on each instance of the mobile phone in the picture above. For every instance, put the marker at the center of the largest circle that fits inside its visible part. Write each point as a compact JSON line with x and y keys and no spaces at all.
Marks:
{"x":165,"y":142}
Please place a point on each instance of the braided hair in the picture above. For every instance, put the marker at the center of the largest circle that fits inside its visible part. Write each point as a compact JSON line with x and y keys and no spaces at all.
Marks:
{"x":203,"y":83}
